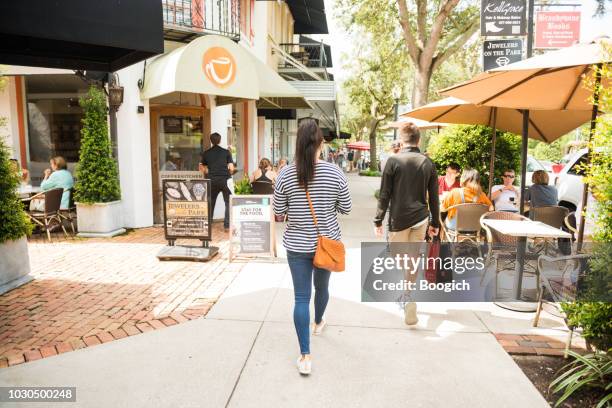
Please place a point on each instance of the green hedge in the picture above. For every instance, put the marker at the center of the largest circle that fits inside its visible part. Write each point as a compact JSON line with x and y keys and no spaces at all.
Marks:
{"x":14,"y":222}
{"x":470,"y":147}
{"x":97,"y":175}
{"x":370,"y":173}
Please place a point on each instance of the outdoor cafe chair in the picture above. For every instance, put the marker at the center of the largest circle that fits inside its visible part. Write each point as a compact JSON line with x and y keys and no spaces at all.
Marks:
{"x":570,"y":223}
{"x":468,"y":222}
{"x":552,"y":215}
{"x":562,"y":280}
{"x":44,"y":219}
{"x":262,"y":187}
{"x":69,"y":214}
{"x":501,"y":248}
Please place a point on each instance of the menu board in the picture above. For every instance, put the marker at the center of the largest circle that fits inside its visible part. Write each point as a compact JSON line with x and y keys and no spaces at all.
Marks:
{"x":186,"y":212}
{"x":251,"y":226}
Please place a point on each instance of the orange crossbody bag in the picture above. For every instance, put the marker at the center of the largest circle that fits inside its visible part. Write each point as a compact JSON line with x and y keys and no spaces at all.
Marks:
{"x":330,"y":253}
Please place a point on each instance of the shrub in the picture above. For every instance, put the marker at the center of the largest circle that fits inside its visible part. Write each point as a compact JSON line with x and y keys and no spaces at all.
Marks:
{"x":594,"y":318}
{"x":243,"y":187}
{"x":96,"y":174}
{"x":370,"y":173}
{"x":15,"y":223}
{"x":470,"y":147}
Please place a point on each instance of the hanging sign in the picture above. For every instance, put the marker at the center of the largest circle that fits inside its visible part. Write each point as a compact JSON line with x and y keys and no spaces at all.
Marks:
{"x":251,"y":226}
{"x":499,"y":53}
{"x":499,"y":18}
{"x":557,"y":29}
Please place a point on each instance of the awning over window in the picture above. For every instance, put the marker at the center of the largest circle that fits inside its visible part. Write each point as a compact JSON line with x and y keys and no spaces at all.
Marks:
{"x":309,"y":16}
{"x":13,"y":70}
{"x":80,"y":34}
{"x":215,"y":65}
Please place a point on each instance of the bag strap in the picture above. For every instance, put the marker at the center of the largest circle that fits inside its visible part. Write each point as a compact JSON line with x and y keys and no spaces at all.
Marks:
{"x":312,"y":211}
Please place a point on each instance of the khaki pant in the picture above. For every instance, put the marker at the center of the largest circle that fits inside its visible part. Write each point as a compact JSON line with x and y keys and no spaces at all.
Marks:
{"x":398,"y":241}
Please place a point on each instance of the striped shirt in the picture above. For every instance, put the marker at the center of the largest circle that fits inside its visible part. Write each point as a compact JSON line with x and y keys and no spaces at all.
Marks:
{"x":329,"y":194}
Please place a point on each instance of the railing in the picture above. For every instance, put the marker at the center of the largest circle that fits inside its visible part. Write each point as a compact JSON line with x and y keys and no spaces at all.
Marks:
{"x":310,"y":55}
{"x":206,"y":16}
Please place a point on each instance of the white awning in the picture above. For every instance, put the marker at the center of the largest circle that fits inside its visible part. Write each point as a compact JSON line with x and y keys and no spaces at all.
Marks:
{"x":215,"y":65}
{"x":14,"y":70}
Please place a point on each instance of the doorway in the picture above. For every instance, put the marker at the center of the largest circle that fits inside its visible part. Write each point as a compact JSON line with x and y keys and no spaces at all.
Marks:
{"x":178,"y":137}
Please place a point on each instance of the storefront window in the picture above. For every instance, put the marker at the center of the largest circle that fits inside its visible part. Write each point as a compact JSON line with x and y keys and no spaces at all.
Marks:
{"x":54,"y":120}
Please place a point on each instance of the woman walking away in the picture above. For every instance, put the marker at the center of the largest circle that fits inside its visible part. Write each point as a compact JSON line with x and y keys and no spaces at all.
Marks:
{"x":328,"y":190}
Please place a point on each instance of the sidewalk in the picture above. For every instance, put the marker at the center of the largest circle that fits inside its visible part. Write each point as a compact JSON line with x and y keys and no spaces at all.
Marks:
{"x":242,"y":353}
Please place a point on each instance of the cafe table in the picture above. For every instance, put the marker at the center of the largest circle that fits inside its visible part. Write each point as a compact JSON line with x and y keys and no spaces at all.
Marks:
{"x":522,"y":229}
{"x":27,"y":191}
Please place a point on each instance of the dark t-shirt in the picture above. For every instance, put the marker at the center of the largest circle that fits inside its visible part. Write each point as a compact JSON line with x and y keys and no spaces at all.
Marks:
{"x":217,"y":159}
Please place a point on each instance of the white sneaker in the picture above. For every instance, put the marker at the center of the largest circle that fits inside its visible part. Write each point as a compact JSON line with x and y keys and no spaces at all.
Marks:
{"x":318,"y":328}
{"x":304,"y":365}
{"x":410,"y":314}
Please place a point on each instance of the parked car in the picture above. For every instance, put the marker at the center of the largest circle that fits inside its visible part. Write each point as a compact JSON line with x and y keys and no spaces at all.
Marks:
{"x":532,"y":166}
{"x":569,"y":181}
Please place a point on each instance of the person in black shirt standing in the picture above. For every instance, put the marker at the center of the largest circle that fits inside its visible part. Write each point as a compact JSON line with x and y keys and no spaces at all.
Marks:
{"x":409,"y":190}
{"x":218,"y":165}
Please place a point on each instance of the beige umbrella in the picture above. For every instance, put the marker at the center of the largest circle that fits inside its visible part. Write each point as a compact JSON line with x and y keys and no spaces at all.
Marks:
{"x":421,"y":124}
{"x":554,"y":80}
{"x":544,"y":125}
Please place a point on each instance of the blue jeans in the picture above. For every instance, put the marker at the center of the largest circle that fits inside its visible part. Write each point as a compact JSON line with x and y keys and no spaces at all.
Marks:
{"x":301,"y":267}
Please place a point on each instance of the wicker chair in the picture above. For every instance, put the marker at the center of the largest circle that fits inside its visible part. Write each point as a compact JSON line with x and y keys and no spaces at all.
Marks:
{"x":69,"y":214}
{"x":44,"y":219}
{"x":562,"y":279}
{"x":552,"y":215}
{"x":468,"y":222}
{"x":570,"y":223}
{"x":262,"y":187}
{"x":502,"y":248}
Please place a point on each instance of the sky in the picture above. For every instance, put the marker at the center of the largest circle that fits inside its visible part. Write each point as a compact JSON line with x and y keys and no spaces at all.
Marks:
{"x":341,"y":42}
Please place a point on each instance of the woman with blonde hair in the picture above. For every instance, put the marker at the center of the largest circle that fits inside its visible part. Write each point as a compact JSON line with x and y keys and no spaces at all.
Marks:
{"x":264,"y":172}
{"x":469,"y":192}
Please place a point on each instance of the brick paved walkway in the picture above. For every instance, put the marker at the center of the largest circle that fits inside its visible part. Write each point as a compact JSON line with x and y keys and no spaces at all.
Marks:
{"x":87,"y":292}
{"x":537,"y":344}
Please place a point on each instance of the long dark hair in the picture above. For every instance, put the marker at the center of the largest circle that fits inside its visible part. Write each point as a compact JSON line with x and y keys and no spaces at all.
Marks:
{"x":309,"y":138}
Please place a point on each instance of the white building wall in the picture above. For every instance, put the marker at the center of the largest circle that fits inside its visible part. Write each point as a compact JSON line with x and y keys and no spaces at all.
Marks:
{"x":260,"y":28}
{"x":253,"y":126}
{"x":134,"y":151}
{"x":8,"y":111}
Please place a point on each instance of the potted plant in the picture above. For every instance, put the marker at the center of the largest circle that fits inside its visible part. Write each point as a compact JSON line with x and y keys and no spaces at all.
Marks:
{"x":14,"y":227}
{"x":97,"y":193}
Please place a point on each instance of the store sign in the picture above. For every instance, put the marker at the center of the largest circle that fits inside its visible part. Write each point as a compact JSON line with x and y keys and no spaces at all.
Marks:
{"x":500,"y":18}
{"x":186,"y":213}
{"x":251,"y":226}
{"x":557,"y":29}
{"x":499,"y":53}
{"x":219,"y":66}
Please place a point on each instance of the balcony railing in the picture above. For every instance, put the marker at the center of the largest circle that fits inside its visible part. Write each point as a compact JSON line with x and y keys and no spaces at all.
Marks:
{"x":186,"y":19}
{"x":310,"y":55}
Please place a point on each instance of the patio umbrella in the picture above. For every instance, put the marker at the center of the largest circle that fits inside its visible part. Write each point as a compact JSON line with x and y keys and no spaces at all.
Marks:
{"x":361,"y":145}
{"x":544,"y":125}
{"x":549,"y":81}
{"x":420,"y":123}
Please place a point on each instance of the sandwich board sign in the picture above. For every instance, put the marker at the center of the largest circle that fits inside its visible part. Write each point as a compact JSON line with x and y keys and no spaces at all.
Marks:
{"x":500,"y":18}
{"x":187,"y":215}
{"x":499,"y":53}
{"x":252,"y":232}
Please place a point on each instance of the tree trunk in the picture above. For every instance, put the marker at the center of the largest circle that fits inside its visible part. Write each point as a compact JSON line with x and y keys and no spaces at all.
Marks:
{"x":420,"y":90}
{"x":373,"y":158}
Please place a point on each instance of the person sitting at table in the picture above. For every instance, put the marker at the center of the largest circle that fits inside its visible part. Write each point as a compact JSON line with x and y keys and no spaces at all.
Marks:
{"x":540,"y":194}
{"x":281,"y":163}
{"x":450,"y":180}
{"x":264,"y":172}
{"x":468,"y":192}
{"x":58,"y":177}
{"x":506,"y":196}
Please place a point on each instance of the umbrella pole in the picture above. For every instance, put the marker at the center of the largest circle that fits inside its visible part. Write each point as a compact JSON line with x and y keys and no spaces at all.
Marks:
{"x":524,"y":159}
{"x":492,"y":162}
{"x":585,"y":190}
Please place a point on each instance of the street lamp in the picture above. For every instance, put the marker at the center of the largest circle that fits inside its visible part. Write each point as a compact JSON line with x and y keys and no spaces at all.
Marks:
{"x":397,"y":93}
{"x":115,"y":92}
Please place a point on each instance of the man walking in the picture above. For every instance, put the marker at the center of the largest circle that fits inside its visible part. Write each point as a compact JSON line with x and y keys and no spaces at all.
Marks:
{"x":409,"y":189}
{"x":218,"y":164}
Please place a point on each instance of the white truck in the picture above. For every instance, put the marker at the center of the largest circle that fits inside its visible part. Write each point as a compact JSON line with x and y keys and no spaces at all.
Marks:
{"x":569,"y":181}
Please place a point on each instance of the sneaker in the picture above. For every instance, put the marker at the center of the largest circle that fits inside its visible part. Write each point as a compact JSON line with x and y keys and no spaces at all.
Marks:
{"x":304,"y":365}
{"x":318,"y":328}
{"x":410,"y":315}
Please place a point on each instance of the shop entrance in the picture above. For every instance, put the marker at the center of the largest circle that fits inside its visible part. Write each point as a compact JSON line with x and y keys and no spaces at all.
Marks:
{"x":178,"y":137}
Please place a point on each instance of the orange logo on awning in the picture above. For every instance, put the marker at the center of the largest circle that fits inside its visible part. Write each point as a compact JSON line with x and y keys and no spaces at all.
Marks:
{"x":219,"y":66}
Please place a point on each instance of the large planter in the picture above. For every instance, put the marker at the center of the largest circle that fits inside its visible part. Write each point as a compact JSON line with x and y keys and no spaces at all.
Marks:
{"x":14,"y":264}
{"x":100,"y":219}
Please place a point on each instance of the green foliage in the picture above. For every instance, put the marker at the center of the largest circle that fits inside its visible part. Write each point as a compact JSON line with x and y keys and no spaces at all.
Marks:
{"x":470,"y":147}
{"x":588,"y":371}
{"x":96,"y":174}
{"x":594,"y":318}
{"x":370,"y":173}
{"x":15,"y":223}
{"x":243,"y":186}
{"x":548,"y":151}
